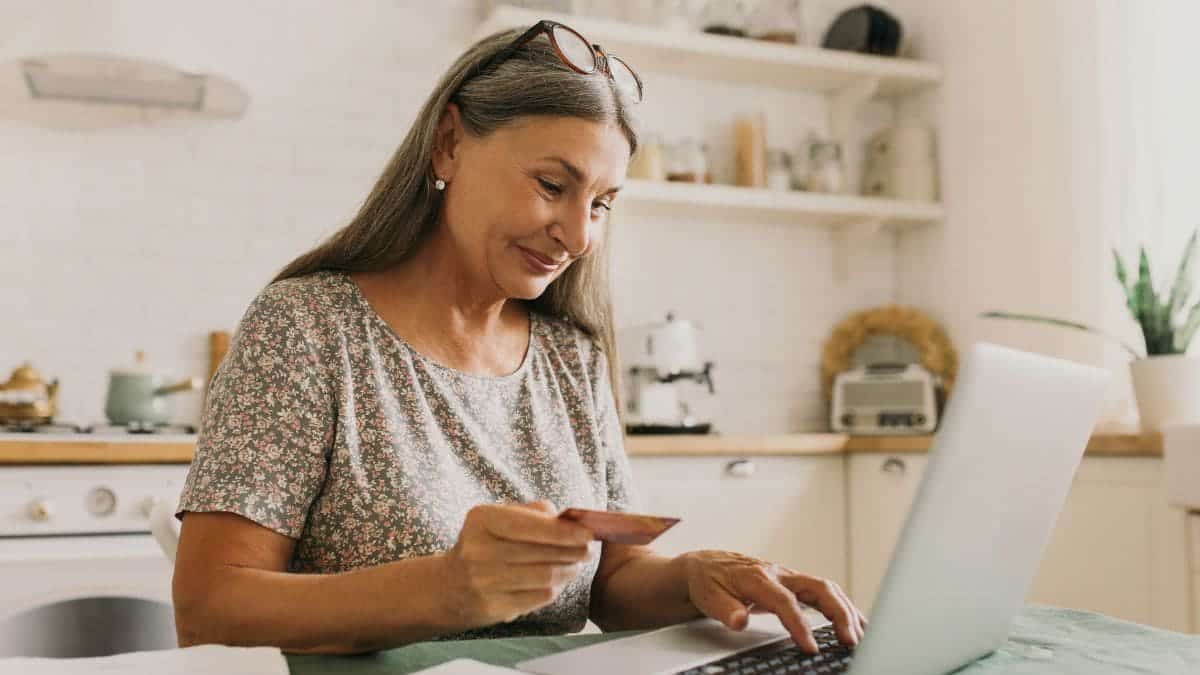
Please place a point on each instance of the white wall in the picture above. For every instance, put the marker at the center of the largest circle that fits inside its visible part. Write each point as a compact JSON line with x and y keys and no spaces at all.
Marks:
{"x":120,"y":240}
{"x":1067,"y":128}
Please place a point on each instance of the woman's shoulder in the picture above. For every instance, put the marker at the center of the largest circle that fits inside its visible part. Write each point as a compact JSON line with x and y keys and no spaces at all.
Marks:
{"x":311,"y":307}
{"x":314,"y":297}
{"x":563,"y":335}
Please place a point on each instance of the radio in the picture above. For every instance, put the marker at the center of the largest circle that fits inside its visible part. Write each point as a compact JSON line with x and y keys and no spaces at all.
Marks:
{"x":885,"y":399}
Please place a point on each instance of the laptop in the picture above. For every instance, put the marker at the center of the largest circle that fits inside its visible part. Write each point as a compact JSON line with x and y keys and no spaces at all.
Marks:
{"x":997,"y":476}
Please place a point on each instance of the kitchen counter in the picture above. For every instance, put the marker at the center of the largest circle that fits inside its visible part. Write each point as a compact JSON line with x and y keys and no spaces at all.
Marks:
{"x":178,"y":449}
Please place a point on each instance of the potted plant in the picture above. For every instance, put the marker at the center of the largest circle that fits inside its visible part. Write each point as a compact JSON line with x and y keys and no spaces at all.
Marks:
{"x":1166,"y":382}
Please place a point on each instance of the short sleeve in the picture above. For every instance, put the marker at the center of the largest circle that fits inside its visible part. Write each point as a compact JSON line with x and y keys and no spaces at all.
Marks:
{"x":268,"y":423}
{"x":619,"y":476}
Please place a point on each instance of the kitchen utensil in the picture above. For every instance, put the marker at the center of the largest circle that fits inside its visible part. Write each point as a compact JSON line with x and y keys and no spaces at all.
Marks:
{"x":25,"y":397}
{"x":139,"y":396}
{"x":864,"y":29}
{"x":664,"y":356}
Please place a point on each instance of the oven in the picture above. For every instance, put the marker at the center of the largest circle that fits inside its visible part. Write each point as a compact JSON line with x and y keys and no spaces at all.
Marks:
{"x":80,"y":573}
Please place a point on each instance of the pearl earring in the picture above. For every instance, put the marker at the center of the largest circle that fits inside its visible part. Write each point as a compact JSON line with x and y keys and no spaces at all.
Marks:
{"x":439,"y":184}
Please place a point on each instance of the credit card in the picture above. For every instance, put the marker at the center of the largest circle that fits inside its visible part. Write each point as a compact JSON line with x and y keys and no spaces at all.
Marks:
{"x":617,"y":527}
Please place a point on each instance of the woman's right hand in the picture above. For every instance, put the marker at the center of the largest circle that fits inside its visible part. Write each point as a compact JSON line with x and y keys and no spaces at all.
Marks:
{"x":511,"y":559}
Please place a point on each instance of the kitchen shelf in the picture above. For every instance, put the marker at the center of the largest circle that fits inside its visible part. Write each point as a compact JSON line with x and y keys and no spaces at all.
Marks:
{"x":739,"y":204}
{"x":701,"y":55}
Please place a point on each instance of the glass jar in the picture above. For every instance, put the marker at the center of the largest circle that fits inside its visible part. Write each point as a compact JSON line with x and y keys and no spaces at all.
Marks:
{"x":686,"y":162}
{"x":779,"y":170}
{"x":825,"y":170}
{"x":724,"y":17}
{"x":777,"y":21}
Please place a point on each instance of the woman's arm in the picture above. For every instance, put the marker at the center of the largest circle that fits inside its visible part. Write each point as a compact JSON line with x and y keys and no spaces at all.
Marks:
{"x":635,"y":588}
{"x":231,"y":587}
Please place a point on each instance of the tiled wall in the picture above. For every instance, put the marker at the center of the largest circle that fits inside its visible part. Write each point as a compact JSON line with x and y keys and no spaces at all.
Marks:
{"x":148,"y":238}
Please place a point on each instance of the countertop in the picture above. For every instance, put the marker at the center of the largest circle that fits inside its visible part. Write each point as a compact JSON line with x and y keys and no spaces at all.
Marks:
{"x":178,"y":449}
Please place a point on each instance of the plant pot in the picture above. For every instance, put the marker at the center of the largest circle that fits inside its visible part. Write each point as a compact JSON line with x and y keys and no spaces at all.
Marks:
{"x":1167,"y":390}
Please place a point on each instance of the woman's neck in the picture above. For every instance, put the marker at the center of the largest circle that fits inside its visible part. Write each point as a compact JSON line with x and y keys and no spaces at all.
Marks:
{"x":431,"y":302}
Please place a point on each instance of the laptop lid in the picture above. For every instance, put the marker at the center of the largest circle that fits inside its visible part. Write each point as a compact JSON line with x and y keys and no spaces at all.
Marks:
{"x":998,"y":474}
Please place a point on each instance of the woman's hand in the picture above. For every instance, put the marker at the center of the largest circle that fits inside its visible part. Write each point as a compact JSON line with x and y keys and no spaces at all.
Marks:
{"x":724,"y":585}
{"x":511,"y":559}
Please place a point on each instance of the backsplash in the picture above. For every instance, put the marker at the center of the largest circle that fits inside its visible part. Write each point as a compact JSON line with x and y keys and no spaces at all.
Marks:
{"x":120,"y":240}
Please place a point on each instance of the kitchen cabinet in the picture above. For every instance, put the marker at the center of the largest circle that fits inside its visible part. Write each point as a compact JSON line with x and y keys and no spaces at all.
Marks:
{"x":881,"y":488}
{"x":790,"y":510}
{"x":1117,"y":548}
{"x":1194,"y":535}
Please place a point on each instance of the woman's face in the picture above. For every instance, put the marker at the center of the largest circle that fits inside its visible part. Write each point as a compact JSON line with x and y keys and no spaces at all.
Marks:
{"x":527,"y":201}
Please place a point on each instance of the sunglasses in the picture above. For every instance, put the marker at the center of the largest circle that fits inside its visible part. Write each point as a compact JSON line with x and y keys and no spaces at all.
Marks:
{"x":577,"y":53}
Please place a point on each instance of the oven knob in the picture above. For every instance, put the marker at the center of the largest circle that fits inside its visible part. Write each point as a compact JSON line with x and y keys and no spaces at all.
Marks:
{"x":101,"y":502}
{"x":148,"y":505}
{"x":41,"y":510}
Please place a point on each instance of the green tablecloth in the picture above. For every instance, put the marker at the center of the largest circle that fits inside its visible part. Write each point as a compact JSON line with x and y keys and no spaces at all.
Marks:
{"x":1043,"y":641}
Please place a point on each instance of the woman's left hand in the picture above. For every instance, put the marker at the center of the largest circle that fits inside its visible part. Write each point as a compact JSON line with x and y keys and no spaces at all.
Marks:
{"x":724,"y":585}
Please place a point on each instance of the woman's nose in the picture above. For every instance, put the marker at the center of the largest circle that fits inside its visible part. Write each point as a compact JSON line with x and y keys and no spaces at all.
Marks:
{"x":574,"y":231}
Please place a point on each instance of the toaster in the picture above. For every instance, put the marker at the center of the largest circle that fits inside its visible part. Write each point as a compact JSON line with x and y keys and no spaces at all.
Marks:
{"x":885,"y":399}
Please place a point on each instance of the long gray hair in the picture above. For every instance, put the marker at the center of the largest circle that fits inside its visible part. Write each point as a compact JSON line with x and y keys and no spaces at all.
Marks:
{"x":402,"y":209}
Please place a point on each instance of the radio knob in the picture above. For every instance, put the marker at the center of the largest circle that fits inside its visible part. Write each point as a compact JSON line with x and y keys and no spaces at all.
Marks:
{"x":41,"y":510}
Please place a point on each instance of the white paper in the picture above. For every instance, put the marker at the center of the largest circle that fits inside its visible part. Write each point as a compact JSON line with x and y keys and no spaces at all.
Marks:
{"x":467,"y":667}
{"x":198,"y":660}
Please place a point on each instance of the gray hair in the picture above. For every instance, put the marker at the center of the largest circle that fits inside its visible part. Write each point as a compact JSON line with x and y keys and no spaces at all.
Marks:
{"x":402,"y":208}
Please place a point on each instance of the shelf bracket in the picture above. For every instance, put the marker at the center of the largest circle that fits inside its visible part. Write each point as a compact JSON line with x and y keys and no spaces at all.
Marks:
{"x":845,"y":237}
{"x":843,"y":107}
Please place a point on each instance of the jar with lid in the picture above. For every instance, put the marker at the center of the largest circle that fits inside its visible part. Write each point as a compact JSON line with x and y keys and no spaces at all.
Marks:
{"x":825,"y":170}
{"x":725,"y":17}
{"x":777,"y":21}
{"x":779,"y":170}
{"x":686,"y":162}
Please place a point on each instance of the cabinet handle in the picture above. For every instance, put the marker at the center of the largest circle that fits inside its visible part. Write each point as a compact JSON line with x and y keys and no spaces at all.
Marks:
{"x":895,"y":466}
{"x":740,"y":468}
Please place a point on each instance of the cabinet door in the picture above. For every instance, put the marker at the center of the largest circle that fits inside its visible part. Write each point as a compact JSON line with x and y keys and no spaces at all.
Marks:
{"x":1118,"y":548}
{"x":789,"y":510}
{"x":882,"y":488}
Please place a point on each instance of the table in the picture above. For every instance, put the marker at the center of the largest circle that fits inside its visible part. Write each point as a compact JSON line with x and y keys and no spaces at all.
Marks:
{"x":1043,"y":641}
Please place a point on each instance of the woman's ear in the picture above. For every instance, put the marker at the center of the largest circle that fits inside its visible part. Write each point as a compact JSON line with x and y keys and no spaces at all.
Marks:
{"x":446,"y":143}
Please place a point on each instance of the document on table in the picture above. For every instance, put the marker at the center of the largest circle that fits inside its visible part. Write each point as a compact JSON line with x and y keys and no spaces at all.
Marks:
{"x":198,"y":660}
{"x":467,"y":667}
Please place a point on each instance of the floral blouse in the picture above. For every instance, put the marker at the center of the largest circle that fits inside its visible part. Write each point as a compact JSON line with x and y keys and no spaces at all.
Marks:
{"x":324,"y":425}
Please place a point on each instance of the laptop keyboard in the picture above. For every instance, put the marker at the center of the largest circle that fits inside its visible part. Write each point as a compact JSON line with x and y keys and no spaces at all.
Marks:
{"x":783,"y":657}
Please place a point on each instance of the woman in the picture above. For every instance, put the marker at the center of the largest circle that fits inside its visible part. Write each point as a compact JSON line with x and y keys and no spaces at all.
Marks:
{"x":405,"y":408}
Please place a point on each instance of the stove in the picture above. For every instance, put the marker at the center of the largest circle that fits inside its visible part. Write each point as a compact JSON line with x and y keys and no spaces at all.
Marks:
{"x":59,"y":428}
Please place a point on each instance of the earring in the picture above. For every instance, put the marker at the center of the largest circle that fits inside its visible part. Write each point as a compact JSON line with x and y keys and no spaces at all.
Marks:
{"x":439,"y":184}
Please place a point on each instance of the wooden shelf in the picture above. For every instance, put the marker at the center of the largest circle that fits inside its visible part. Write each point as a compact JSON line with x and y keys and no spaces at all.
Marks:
{"x":700,"y":55}
{"x":738,"y":204}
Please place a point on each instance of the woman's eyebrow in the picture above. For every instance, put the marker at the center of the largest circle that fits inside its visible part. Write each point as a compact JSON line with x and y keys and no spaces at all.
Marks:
{"x":575,"y":173}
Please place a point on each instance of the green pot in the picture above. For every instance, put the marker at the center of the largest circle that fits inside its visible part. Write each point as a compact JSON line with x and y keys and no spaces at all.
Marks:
{"x":142,"y":398}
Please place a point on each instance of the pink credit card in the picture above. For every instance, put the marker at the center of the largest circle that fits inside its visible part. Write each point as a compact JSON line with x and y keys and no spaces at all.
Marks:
{"x":617,"y":527}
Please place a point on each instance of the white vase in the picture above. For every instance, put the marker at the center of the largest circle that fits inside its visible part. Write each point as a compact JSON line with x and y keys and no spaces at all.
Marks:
{"x":1167,"y":390}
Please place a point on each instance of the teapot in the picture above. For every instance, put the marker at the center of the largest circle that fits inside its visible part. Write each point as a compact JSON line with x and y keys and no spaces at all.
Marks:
{"x":139,"y":396}
{"x":26,"y":397}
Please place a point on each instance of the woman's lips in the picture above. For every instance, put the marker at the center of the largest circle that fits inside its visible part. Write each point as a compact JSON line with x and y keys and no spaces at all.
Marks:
{"x":537,"y":262}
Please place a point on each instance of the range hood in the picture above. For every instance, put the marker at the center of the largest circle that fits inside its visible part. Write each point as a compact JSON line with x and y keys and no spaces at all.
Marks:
{"x":87,"y":91}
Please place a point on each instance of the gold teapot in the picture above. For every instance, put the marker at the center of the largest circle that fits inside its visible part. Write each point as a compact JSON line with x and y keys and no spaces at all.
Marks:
{"x":26,"y":397}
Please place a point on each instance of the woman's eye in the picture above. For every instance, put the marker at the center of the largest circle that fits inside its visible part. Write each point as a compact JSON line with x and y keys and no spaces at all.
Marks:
{"x":552,"y":188}
{"x":596,"y":206}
